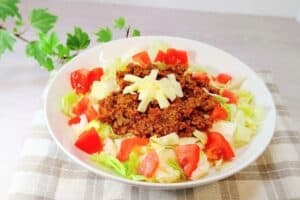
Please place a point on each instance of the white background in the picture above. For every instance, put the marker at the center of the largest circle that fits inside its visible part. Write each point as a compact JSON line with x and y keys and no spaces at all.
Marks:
{"x":283,"y":8}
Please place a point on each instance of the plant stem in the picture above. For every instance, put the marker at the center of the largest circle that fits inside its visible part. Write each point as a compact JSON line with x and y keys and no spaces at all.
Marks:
{"x":17,"y":35}
{"x":127,"y":31}
{"x":21,"y":37}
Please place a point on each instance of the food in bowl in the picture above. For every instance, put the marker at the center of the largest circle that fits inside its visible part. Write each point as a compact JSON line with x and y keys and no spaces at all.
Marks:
{"x":156,"y":117}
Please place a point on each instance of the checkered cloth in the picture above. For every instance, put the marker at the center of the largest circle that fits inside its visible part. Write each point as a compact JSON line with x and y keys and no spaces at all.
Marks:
{"x":45,"y":172}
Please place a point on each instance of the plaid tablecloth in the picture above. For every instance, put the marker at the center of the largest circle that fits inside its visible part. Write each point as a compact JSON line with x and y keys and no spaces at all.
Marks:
{"x":45,"y":172}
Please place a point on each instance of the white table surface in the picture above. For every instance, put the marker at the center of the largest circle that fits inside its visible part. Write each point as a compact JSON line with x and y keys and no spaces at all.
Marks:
{"x":261,"y":42}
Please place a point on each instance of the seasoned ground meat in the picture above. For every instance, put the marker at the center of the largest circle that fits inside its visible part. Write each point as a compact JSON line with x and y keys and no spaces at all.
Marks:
{"x":183,"y":116}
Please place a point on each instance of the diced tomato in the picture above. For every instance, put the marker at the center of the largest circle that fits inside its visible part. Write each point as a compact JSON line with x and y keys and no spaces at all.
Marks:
{"x":91,"y":113}
{"x":182,"y":56}
{"x":219,"y":113}
{"x":89,"y":141}
{"x":217,"y":147}
{"x":79,"y":81}
{"x":84,"y":106}
{"x":188,"y":156}
{"x":128,"y":145}
{"x":175,"y":56}
{"x":149,"y":164}
{"x":160,"y":57}
{"x":81,"y":106}
{"x":171,"y":58}
{"x":230,"y":95}
{"x":95,"y":75}
{"x":142,"y":58}
{"x":74,"y":120}
{"x":201,"y":77}
{"x":82,"y":79}
{"x":223,"y":78}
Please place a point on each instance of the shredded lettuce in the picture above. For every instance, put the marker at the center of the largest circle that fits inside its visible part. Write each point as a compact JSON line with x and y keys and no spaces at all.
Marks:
{"x":242,"y":135}
{"x":93,"y":124}
{"x":68,"y":101}
{"x":166,"y":174}
{"x":110,"y":162}
{"x":249,"y":114}
{"x":131,"y":164}
{"x":245,"y":96}
{"x":164,"y":141}
{"x":226,"y":128}
{"x":248,"y":117}
{"x":202,"y":167}
{"x":137,"y":177}
{"x":219,"y":164}
{"x":105,"y":130}
{"x":110,"y":147}
{"x":201,"y":136}
{"x":174,"y":164}
{"x":127,"y":169}
{"x":219,"y":98}
{"x":195,"y":68}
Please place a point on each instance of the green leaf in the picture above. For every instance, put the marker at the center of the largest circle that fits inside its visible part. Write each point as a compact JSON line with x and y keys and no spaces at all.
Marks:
{"x":42,"y":20}
{"x":104,"y":35}
{"x":62,"y":51}
{"x":19,"y":22}
{"x":119,"y":23}
{"x":33,"y":49}
{"x":48,"y":43}
{"x":78,"y":40}
{"x":9,"y":8}
{"x":136,"y":32}
{"x":7,"y":40}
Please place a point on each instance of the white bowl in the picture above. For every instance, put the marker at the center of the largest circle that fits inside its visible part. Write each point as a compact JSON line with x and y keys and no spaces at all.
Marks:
{"x":199,"y":53}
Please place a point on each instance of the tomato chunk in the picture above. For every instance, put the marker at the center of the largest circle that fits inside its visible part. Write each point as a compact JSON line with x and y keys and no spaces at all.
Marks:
{"x":82,"y":79}
{"x":149,"y":164}
{"x":160,"y":57}
{"x":89,"y":141}
{"x":217,"y":147}
{"x":95,"y":75}
{"x":74,"y":120}
{"x":219,"y":113}
{"x":188,"y":157}
{"x":84,"y":106}
{"x":81,"y":106}
{"x":175,"y":56}
{"x":230,"y":95}
{"x":79,"y":81}
{"x":201,"y":77}
{"x":128,"y":145}
{"x":91,"y":113}
{"x":223,"y":78}
{"x":142,"y":58}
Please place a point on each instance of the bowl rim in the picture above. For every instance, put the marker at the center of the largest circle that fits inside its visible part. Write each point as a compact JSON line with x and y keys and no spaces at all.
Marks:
{"x":162,"y":186}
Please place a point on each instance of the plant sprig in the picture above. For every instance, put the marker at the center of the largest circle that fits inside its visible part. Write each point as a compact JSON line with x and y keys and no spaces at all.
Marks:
{"x":46,"y":48}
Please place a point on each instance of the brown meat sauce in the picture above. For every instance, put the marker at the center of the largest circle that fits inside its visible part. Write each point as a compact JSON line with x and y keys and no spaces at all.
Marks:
{"x":183,"y":116}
